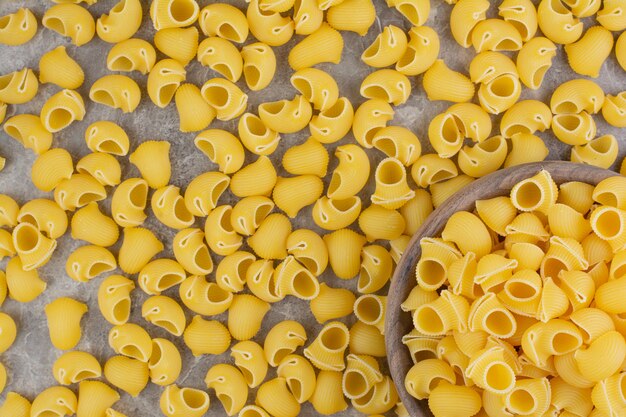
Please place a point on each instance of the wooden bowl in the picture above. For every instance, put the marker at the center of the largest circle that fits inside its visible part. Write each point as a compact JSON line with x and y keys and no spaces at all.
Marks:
{"x":399,"y":323}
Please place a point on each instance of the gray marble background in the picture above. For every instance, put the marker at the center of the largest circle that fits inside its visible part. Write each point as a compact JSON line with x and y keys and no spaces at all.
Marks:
{"x":30,"y":360}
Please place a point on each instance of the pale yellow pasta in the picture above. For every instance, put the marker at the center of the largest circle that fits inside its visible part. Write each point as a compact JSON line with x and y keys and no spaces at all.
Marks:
{"x":351,"y":174}
{"x":378,"y":222}
{"x":165,"y":362}
{"x":219,"y":232}
{"x":557,"y":22}
{"x":256,"y":136}
{"x":45,"y":215}
{"x":256,"y":178}
{"x":286,"y":116}
{"x":565,"y":221}
{"x":445,"y":398}
{"x":620,"y":51}
{"x":16,"y":405}
{"x":332,"y":214}
{"x":415,"y":11}
{"x":231,"y":271}
{"x":282,"y":340}
{"x":203,"y":297}
{"x":94,"y":398}
{"x":525,"y":117}
{"x":168,"y":13}
{"x":6,"y":245}
{"x":180,"y":44}
{"x":376,"y":269}
{"x":371,"y":309}
{"x":114,"y":299}
{"x":24,"y":286}
{"x":127,"y":374}
{"x":525,"y":148}
{"x":496,"y":213}
{"x":366,"y":340}
{"x":534,"y":60}
{"x":361,"y":374}
{"x":601,"y":151}
{"x":204,"y":191}
{"x":344,"y":252}
{"x":415,"y":212}
{"x":483,"y":158}
{"x":225,"y":21}
{"x":75,"y":366}
{"x":164,"y":312}
{"x":369,"y":118}
{"x":457,"y":87}
{"x":122,"y":22}
{"x":308,"y":52}
{"x":275,"y":397}
{"x":328,"y":396}
{"x":500,"y":94}
{"x":129,"y":202}
{"x":18,"y":28}
{"x":112,"y":413}
{"x":139,"y":245}
{"x":169,"y":208}
{"x":464,"y":17}
{"x":447,"y":312}
{"x":222,"y":148}
{"x":245,"y":316}
{"x":307,"y":16}
{"x":194,"y":112}
{"x":268,"y":27}
{"x":492,"y":270}
{"x":299,"y":375}
{"x":614,"y":109}
{"x":462,"y":222}
{"x":225,"y":97}
{"x":488,"y":65}
{"x":292,"y":278}
{"x":522,"y":14}
{"x":163,"y":80}
{"x":107,"y":137}
{"x":91,"y":225}
{"x":57,"y":67}
{"x":441,"y":191}
{"x":333,"y":124}
{"x":222,"y":57}
{"x":206,"y":337}
{"x":421,"y":52}
{"x":259,"y":65}
{"x":587,"y":55}
{"x":8,"y":330}
{"x":596,"y":251}
{"x":132,"y":55}
{"x":294,"y":193}
{"x":317,"y":87}
{"x":387,"y":85}
{"x":610,"y":192}
{"x":28,"y":130}
{"x":249,"y":212}
{"x":326,"y":351}
{"x":332,"y":303}
{"x":577,"y":96}
{"x":116,"y":91}
{"x":536,"y":193}
{"x":419,"y":379}
{"x":584,"y":8}
{"x":611,"y":347}
{"x":131,"y":340}
{"x":102,"y":166}
{"x":179,"y":402}
{"x":574,"y":129}
{"x":250,"y":360}
{"x":56,"y":401}
{"x":72,"y":21}
{"x":160,"y":275}
{"x":431,"y":168}
{"x":260,"y":280}
{"x":611,"y":16}
{"x":496,"y":35}
{"x":61,"y":110}
{"x":352,"y":15}
{"x":64,"y":315}
{"x":18,"y":87}
{"x":33,"y":247}
{"x":437,"y":257}
{"x":309,"y":249}
{"x":387,"y":48}
{"x":191,"y":252}
{"x":311,"y":157}
{"x":269,"y":241}
{"x":229,"y":385}
{"x":153,"y":161}
{"x":606,"y":395}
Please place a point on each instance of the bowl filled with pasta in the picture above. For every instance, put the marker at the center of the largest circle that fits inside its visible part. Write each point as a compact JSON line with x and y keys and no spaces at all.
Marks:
{"x":506,"y":300}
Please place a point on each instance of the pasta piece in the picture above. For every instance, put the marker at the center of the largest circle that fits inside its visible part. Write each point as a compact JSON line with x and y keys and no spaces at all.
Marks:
{"x":620,"y":51}
{"x":114,"y":299}
{"x":611,"y":16}
{"x":441,"y":191}
{"x":371,"y":309}
{"x":16,"y":405}
{"x":180,"y":44}
{"x":57,"y":67}
{"x":72,"y":21}
{"x":24,"y":286}
{"x":461,"y":223}
{"x":587,"y":55}
{"x":160,"y":275}
{"x":565,"y":221}
{"x":309,"y":158}
{"x":398,"y":142}
{"x":256,"y":136}
{"x":415,"y":11}
{"x":129,"y":202}
{"x":28,"y":130}
{"x":167,"y":14}
{"x":269,"y":241}
{"x":387,"y":85}
{"x":307,"y":52}
{"x":351,"y":174}
{"x":248,"y":214}
{"x":309,"y":249}
{"x":534,"y":60}
{"x":328,"y":396}
{"x":202,"y":297}
{"x":576,"y":96}
{"x":382,"y":399}
{"x":165,"y":362}
{"x":204,"y":191}
{"x":45,"y":215}
{"x":496,"y":35}
{"x":131,"y":340}
{"x":415,"y":212}
{"x":250,"y":360}
{"x":268,"y":27}
{"x":222,"y":148}
{"x":610,"y":192}
{"x":331,"y":214}
{"x":574,"y":129}
{"x":525,"y":117}
{"x":489,"y":65}
{"x":611,"y":347}
{"x":344,"y":252}
{"x":467,"y":402}
{"x":333,"y":124}
{"x":522,"y":14}
{"x":282,"y":340}
{"x":366,"y":340}
{"x":361,"y":374}
{"x":259,"y":65}
{"x":448,"y":312}
{"x":132,"y":55}
{"x":525,"y":148}
{"x":352,"y":15}
{"x":61,"y":110}
{"x":64,"y":315}
{"x":292,"y":278}
{"x":326,"y":351}
{"x":293,"y":194}
{"x":225,"y":21}
{"x":116,"y":91}
{"x":299,"y":375}
{"x":139,"y":245}
{"x":33,"y":248}
{"x":6,"y":245}
{"x":376,"y":269}
{"x":369,"y":118}
{"x":57,"y":401}
{"x":464,"y":17}
{"x":537,"y":193}
{"x":102,"y":166}
{"x":496,"y":213}
{"x":75,"y":366}
{"x":275,"y":397}
{"x":332,"y":303}
{"x":387,"y":48}
{"x":229,"y":385}
{"x":458,"y":87}
{"x":614,"y":110}
{"x":431,"y":168}
{"x":164,"y":312}
{"x":307,"y":16}
{"x":163,"y":81}
{"x":225,"y":97}
{"x":18,"y":28}
{"x":500,"y":94}
{"x":557,"y":22}
{"x":222,"y":57}
{"x":95,"y":397}
{"x":379,"y":222}
{"x":179,"y":402}
{"x":191,"y":252}
{"x":91,"y":225}
{"x":122,"y":22}
{"x":256,"y":178}
{"x":194,"y":113}
{"x":601,"y":152}
{"x":421,"y":52}
{"x":18,"y":87}
{"x":107,"y":137}
{"x":286,"y":116}
{"x":9,"y":331}
{"x":153,"y":161}
{"x":219,"y":233}
{"x":317,"y":87}
{"x":483,"y":158}
{"x":129,"y":375}
{"x":231,"y":271}
{"x":206,"y":337}
{"x":261,"y":282}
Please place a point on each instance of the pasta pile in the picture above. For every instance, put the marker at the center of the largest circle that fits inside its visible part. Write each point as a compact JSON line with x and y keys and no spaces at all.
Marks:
{"x":241,"y":259}
{"x":519,"y":305}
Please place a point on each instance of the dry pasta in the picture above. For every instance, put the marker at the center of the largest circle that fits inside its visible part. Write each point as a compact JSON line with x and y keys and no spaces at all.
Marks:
{"x":28,"y":130}
{"x":70,"y":20}
{"x":18,"y":28}
{"x":387,"y":48}
{"x":57,"y":67}
{"x":587,"y":55}
{"x":180,"y":44}
{"x":18,"y":87}
{"x":229,"y":385}
{"x":123,"y":20}
{"x":225,"y":97}
{"x":116,"y":91}
{"x":352,"y":15}
{"x":225,"y":21}
{"x":222,"y":148}
{"x":163,"y":80}
{"x":64,"y":315}
{"x":194,"y":112}
{"x":308,"y":52}
{"x":259,"y":65}
{"x":132,"y":55}
{"x":166,"y":14}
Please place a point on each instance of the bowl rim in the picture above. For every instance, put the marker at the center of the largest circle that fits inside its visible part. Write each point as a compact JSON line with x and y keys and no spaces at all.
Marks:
{"x":499,"y":183}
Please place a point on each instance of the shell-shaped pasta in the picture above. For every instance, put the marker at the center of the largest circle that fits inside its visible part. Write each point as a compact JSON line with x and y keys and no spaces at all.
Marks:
{"x":371,"y":309}
{"x":421,"y":52}
{"x":415,"y":212}
{"x":222,"y":148}
{"x":366,"y":340}
{"x":496,"y":213}
{"x":102,"y":166}
{"x":614,"y":109}
{"x":194,"y":113}
{"x":606,"y":394}
{"x":256,"y":136}
{"x":530,"y":396}
{"x":16,"y":405}
{"x":596,"y":250}
{"x":282,"y":340}
{"x":565,"y":221}
{"x":534,"y":60}
{"x":309,"y":249}
{"x":153,"y":161}
{"x":229,"y":385}
{"x":219,"y":232}
{"x":18,"y":28}
{"x":45,"y":215}
{"x":376,"y":269}
{"x":446,"y":313}
{"x":225,"y":97}
{"x":496,"y":35}
{"x":332,"y":214}
{"x":537,"y":193}
{"x":525,"y":148}
{"x":326,"y":351}
{"x":260,"y":280}
{"x":256,"y":178}
{"x":24,"y":286}
{"x":64,"y":315}
{"x":333,"y":124}
{"x":587,"y":55}
{"x":522,"y":14}
{"x":294,"y":193}
{"x":169,"y":208}
{"x":180,"y":44}
{"x":114,"y":299}
{"x":328,"y":396}
{"x":419,"y":379}
{"x":387,"y":85}
{"x":576,"y":96}
{"x":171,"y":13}
{"x":250,"y":360}
{"x":176,"y":402}
{"x":611,"y":347}
{"x":129,"y":375}
{"x":9,"y":331}
{"x":415,"y":11}
{"x":352,"y":15}
{"x":369,"y":118}
{"x":70,"y":20}
{"x":610,"y":192}
{"x":132,"y":55}
{"x":488,"y":314}
{"x":605,"y":297}
{"x":500,"y":94}
{"x":191,"y":252}
{"x":222,"y":57}
{"x":160,"y":275}
{"x":18,"y":87}
{"x":309,"y":158}
{"x":601,"y":152}
{"x":138,"y":247}
{"x":387,"y":48}
{"x":56,"y":401}
{"x":259,"y":65}
{"x":6,"y":246}
{"x":557,"y":22}
{"x":131,"y":340}
{"x":441,"y":191}
{"x":129,"y":202}
{"x":574,"y":129}
{"x":399,"y":143}
{"x":33,"y":247}
{"x":206,"y":337}
{"x":270,"y":239}
{"x":308,"y":53}
{"x":165,"y":362}
{"x":204,"y":191}
{"x":611,"y":16}
{"x":316,"y":86}
{"x":361,"y":374}
{"x":431,"y":168}
{"x":291,"y":278}
{"x":286,"y":116}
{"x":87,"y":262}
{"x":275,"y":397}
{"x":371,"y":222}
{"x":28,"y":130}
{"x":442,"y":83}
{"x":344,"y":252}
{"x":463,"y":222}
{"x":164,"y":80}
{"x":249,"y":212}
{"x":332,"y":303}
{"x":123,"y":20}
{"x":351,"y":174}
{"x":164,"y":312}
{"x":299,"y":375}
{"x":225,"y":21}
{"x":91,"y":225}
{"x":392,"y":190}
{"x":488,"y":65}
{"x":231,"y":271}
{"x":61,"y":110}
{"x":464,"y":17}
{"x":107,"y":137}
{"x":307,"y":16}
{"x":116,"y":91}
{"x":95,"y":398}
{"x":483,"y":158}
{"x":525,"y":117}
{"x":57,"y":67}
{"x":269,"y":27}
{"x":75,"y":366}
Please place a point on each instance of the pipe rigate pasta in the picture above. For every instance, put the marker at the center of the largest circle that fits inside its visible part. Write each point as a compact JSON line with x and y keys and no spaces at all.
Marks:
{"x":484,"y":157}
{"x":432,"y":168}
{"x":534,"y":60}
{"x":222,"y":148}
{"x":204,"y":337}
{"x":445,"y":398}
{"x":286,"y":116}
{"x":308,"y":52}
{"x":611,"y":347}
{"x":457,"y":227}
{"x":299,"y":375}
{"x":64,"y":315}
{"x":522,"y":14}
{"x":557,"y":22}
{"x":28,"y":130}
{"x":415,"y":211}
{"x":114,"y":299}
{"x":496,"y":35}
{"x":620,"y":51}
{"x":316,"y":86}
{"x":601,"y":152}
{"x":107,"y":137}
{"x":574,"y":129}
{"x":344,"y":252}
{"x":366,"y":340}
{"x":383,"y":398}
{"x":91,"y":225}
{"x":95,"y":397}
{"x":415,"y":11}
{"x":230,"y":274}
{"x":165,"y":362}
{"x":488,"y":65}
{"x":204,"y":191}
{"x":6,"y":246}
{"x":309,"y":249}
{"x":45,"y":215}
{"x":376,"y":269}
{"x":611,"y":192}
{"x":307,"y":16}
{"x":75,"y":366}
{"x":256,"y":136}
{"x":332,"y":303}
{"x":225,"y":21}
{"x":614,"y":109}
{"x":392,"y":190}
{"x":24,"y":286}
{"x":371,"y":309}
{"x":180,"y":44}
{"x":70,"y":20}
{"x":309,"y":158}
{"x":260,"y":280}
{"x":194,"y":112}
{"x":33,"y":247}
{"x":57,"y":401}
{"x":184,"y":402}
{"x":576,"y":96}
{"x":421,"y":52}
{"x":333,"y":124}
{"x":292,"y":278}
{"x":292,"y":194}
{"x":229,"y":385}
{"x":399,"y":143}
{"x":369,"y":118}
{"x":164,"y":312}
{"x":9,"y":331}
{"x":18,"y":87}
{"x":436,"y":318}
{"x":129,"y":202}
{"x":442,"y":83}
{"x":326,"y":351}
{"x":245,"y":316}
{"x":269,"y":240}
{"x":250,"y":360}
{"x":116,"y":91}
{"x":275,"y":397}
{"x":18,"y":28}
{"x":496,"y":213}
{"x":387,"y":48}
{"x":587,"y":55}
{"x":464,"y":17}
{"x":61,"y":110}
{"x":443,"y":190}
{"x":611,"y":16}
{"x":525,"y":148}
{"x":15,"y":404}
{"x":163,"y":81}
{"x":87,"y":262}
{"x":139,"y":246}
{"x":269,"y":27}
{"x":153,"y":161}
{"x":328,"y":396}
{"x":102,"y":166}
{"x":167,"y":13}
{"x":160,"y":275}
{"x":132,"y":55}
{"x":526,"y":117}
{"x":282,"y":340}
{"x":387,"y":85}
{"x":351,"y":174}
{"x":256,"y":178}
{"x":57,"y":67}
{"x":259,"y":65}
{"x":334,"y":214}
{"x":219,"y":232}
{"x":352,"y":15}
{"x":222,"y":57}
{"x":127,"y":374}
{"x":121,"y":23}
{"x":225,"y":97}
{"x":169,"y":208}
{"x":131,"y":340}
{"x":249,"y":212}
{"x":537,"y":193}
{"x":191,"y":252}
{"x":500,"y":94}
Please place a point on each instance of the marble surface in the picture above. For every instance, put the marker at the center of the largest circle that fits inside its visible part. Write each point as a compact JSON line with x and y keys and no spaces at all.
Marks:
{"x":30,"y":359}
